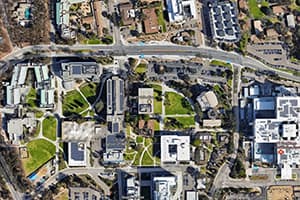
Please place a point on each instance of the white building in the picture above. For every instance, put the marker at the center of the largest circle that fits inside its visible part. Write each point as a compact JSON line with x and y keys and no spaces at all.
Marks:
{"x":175,"y":148}
{"x":162,"y":187}
{"x":77,"y":154}
{"x":277,"y":138}
{"x":146,"y":101}
{"x":179,"y":10}
{"x":207,"y":100}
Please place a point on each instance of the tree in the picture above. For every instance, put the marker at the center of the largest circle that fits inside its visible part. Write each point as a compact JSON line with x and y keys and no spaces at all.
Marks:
{"x":266,"y":10}
{"x":196,"y":142}
{"x":298,"y":2}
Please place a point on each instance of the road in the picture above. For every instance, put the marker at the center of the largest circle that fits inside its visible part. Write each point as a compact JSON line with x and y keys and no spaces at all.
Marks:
{"x":119,"y":49}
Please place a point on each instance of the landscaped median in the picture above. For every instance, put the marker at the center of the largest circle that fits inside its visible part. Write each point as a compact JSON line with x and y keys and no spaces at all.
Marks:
{"x":39,"y":151}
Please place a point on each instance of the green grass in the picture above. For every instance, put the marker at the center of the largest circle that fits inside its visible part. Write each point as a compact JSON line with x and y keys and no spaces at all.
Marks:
{"x":148,"y":141}
{"x":255,"y":10}
{"x":40,"y":151}
{"x":161,"y":20}
{"x":136,"y":161}
{"x":73,"y":103}
{"x":147,"y":159}
{"x":157,"y":102}
{"x":177,"y":123}
{"x":93,"y":41}
{"x":221,"y":63}
{"x":49,"y":128}
{"x":38,"y":113}
{"x":139,"y":139}
{"x":89,"y":90}
{"x":156,"y":126}
{"x":186,"y":121}
{"x":174,"y":104}
{"x":38,"y":128}
{"x":129,"y":156}
{"x":141,"y":68}
{"x":31,"y":98}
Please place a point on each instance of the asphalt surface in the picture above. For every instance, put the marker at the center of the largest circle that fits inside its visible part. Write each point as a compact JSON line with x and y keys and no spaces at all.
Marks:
{"x":143,"y":50}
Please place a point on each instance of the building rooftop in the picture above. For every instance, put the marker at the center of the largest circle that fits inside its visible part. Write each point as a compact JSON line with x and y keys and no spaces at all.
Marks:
{"x":146,"y":101}
{"x":179,"y":10}
{"x":77,"y":154}
{"x":223,"y":16}
{"x":162,"y":187}
{"x":127,"y":13}
{"x":175,"y":148}
{"x":151,"y":21}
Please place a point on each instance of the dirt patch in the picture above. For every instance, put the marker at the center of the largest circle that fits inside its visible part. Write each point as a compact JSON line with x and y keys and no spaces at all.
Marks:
{"x":280,"y":192}
{"x":5,"y":44}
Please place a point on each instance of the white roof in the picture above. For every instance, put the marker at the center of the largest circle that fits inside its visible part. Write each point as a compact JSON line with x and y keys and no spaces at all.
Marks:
{"x":72,"y":131}
{"x":286,"y":172}
{"x":290,"y":20}
{"x":289,"y":130}
{"x":175,"y":148}
{"x":176,"y":11}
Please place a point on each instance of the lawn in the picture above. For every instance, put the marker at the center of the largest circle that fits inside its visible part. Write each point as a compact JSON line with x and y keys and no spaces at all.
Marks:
{"x":74,"y":103}
{"x":157,"y":99}
{"x":147,"y":159}
{"x":187,"y":122}
{"x":31,"y":98}
{"x":156,"y":126}
{"x":176,"y":104}
{"x":255,"y":10}
{"x":139,"y":139}
{"x":93,"y":41}
{"x":141,"y":68}
{"x":175,"y":123}
{"x":89,"y":90}
{"x":40,"y":151}
{"x":221,"y":63}
{"x":161,"y":20}
{"x":49,"y":128}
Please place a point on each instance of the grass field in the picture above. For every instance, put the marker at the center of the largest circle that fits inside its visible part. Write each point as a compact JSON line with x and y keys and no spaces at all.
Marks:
{"x":141,"y":68}
{"x":255,"y":10}
{"x":40,"y":151}
{"x":157,"y":99}
{"x":147,"y":159}
{"x":73,"y":103}
{"x":89,"y":90}
{"x":176,"y":123}
{"x":174,"y":104}
{"x":49,"y":128}
{"x":31,"y":98}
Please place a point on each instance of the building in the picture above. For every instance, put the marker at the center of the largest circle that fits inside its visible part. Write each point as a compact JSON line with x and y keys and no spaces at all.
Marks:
{"x":86,"y":193}
{"x":146,"y":101}
{"x":162,"y":187}
{"x":191,"y":195}
{"x":180,"y":10}
{"x":224,"y":21}
{"x":15,"y":127}
{"x":276,"y":130}
{"x":257,"y":24}
{"x":278,"y":10}
{"x":79,"y":70}
{"x":291,"y":21}
{"x":22,"y":13}
{"x":77,"y":155}
{"x":212,"y":122}
{"x":207,"y":100}
{"x":129,"y":186}
{"x":17,"y":89}
{"x":63,"y":16}
{"x":115,"y":96}
{"x":127,"y":13}
{"x":175,"y":148}
{"x":115,"y":145}
{"x":151,"y":21}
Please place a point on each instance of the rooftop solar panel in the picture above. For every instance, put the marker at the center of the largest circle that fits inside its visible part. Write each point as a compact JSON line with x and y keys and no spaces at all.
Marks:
{"x":76,"y":152}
